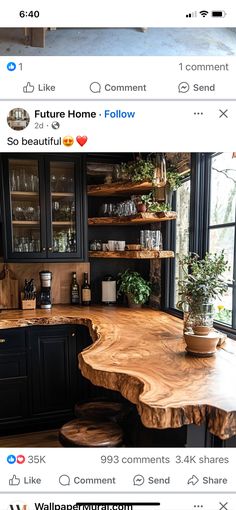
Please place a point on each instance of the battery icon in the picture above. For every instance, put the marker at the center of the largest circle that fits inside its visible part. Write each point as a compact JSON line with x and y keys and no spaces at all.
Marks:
{"x":218,"y":14}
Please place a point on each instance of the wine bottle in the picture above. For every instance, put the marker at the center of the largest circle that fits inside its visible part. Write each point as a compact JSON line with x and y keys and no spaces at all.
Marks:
{"x":86,"y":291}
{"x":75,"y":300}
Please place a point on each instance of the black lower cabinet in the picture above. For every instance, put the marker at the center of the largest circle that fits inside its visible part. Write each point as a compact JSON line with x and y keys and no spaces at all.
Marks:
{"x":14,"y":402}
{"x":53,"y":370}
{"x":40,"y":380}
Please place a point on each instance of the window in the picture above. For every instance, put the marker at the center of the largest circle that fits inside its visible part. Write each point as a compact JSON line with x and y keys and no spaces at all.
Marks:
{"x":180,"y":238}
{"x":222,"y":227}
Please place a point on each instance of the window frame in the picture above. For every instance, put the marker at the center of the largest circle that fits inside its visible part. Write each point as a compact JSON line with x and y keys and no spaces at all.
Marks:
{"x":200,"y":193}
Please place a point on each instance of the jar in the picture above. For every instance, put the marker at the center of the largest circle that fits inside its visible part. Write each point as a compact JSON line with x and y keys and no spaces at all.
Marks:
{"x":198,"y":317}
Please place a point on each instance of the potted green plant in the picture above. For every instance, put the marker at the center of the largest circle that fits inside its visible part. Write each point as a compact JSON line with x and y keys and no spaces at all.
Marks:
{"x":140,"y":170}
{"x":173,"y":182}
{"x":135,"y":287}
{"x":202,"y":283}
{"x":159,"y":207}
{"x":143,"y":202}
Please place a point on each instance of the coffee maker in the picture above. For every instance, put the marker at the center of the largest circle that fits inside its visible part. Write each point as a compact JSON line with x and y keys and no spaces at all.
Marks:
{"x":45,"y":293}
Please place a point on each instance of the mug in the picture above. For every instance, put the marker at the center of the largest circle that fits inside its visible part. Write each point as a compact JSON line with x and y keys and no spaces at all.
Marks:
{"x":104,"y":246}
{"x":111,"y":245}
{"x":120,"y":245}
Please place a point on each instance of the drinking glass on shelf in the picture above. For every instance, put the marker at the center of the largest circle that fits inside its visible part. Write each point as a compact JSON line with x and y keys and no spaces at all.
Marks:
{"x":34,"y":183}
{"x":70,"y":184}
{"x":37,"y":245}
{"x":103,"y":210}
{"x":62,"y":184}
{"x":13,"y":181}
{"x":19,"y":213}
{"x":24,"y":180}
{"x":32,"y":212}
{"x":156,"y":240}
{"x":18,"y":184}
{"x":110,"y":209}
{"x":53,"y":183}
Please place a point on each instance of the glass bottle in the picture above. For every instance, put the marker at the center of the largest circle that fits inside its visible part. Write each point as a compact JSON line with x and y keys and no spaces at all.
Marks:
{"x":86,"y":291}
{"x":74,"y":290}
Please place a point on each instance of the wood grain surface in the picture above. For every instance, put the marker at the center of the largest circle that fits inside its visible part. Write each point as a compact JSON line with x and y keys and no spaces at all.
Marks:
{"x":118,"y":188}
{"x":129,"y":254}
{"x":141,"y":354}
{"x":138,"y":219}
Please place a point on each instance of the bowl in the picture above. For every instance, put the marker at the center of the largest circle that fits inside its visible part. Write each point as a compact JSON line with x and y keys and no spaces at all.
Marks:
{"x":133,"y":247}
{"x":201,"y":345}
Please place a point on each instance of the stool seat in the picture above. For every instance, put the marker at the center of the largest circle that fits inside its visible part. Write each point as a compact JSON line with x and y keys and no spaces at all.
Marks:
{"x":87,"y":433}
{"x":101,"y":411}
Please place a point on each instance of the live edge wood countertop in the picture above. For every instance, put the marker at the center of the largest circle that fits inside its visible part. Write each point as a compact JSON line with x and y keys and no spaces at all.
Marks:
{"x":141,"y":354}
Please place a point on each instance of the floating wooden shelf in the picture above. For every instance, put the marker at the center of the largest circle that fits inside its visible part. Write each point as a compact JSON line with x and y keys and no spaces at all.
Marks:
{"x":118,"y":188}
{"x":139,"y":219}
{"x":136,"y":254}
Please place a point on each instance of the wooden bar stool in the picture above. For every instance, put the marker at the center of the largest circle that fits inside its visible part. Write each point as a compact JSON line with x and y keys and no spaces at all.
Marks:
{"x":91,"y":433}
{"x":101,"y":410}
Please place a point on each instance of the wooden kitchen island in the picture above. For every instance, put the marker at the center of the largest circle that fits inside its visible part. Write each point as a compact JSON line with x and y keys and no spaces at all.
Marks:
{"x":141,"y":354}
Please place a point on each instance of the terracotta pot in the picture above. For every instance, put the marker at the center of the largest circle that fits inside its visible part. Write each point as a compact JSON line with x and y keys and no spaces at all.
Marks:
{"x":201,"y":330}
{"x":202,"y":345}
{"x":141,"y":208}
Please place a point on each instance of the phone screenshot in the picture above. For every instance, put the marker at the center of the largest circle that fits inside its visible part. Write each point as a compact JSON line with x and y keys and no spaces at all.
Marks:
{"x":117,"y":256}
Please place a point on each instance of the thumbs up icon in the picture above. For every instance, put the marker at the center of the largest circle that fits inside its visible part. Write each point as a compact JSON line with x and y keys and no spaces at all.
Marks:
{"x":28,"y":88}
{"x":14,"y":481}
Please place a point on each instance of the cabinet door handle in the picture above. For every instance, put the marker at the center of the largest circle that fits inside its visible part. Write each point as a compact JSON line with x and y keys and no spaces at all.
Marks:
{"x":50,"y":249}
{"x":2,"y":340}
{"x":43,"y":249}
{"x":73,"y":334}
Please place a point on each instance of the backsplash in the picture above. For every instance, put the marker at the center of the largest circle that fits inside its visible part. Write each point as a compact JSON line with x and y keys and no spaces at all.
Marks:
{"x":61,"y":276}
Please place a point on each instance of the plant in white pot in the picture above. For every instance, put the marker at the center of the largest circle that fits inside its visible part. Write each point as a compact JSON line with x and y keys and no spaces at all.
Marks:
{"x":135,"y":287}
{"x":202,"y":283}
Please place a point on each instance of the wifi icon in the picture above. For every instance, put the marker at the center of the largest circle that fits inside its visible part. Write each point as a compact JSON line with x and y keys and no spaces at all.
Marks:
{"x":204,"y":13}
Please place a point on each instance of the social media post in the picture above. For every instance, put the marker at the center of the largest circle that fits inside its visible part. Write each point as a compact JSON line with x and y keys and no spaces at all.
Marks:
{"x":115,"y":332}
{"x":134,"y":13}
{"x":214,"y":39}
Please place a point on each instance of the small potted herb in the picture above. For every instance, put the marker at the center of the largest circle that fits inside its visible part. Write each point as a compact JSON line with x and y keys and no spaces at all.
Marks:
{"x":143,"y":202}
{"x":135,"y":287}
{"x":159,"y":207}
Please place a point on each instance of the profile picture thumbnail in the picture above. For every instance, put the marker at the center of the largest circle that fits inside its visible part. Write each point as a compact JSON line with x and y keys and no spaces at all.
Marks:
{"x":18,"y":119}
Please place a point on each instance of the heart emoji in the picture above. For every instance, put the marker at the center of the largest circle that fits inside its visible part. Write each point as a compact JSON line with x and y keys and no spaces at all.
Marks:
{"x":20,"y":459}
{"x":68,"y":140}
{"x":81,"y":140}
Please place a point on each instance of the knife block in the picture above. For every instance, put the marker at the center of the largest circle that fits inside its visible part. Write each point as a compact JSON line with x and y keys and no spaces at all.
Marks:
{"x":27,"y":304}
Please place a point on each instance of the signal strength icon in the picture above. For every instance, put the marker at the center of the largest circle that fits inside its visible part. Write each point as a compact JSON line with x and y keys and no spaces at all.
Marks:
{"x":204,"y":13}
{"x":191,"y":14}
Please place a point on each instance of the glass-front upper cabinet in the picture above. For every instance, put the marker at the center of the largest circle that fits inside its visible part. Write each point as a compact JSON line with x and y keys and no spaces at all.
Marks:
{"x":27,"y":236}
{"x":63,"y":202}
{"x":44,"y":208}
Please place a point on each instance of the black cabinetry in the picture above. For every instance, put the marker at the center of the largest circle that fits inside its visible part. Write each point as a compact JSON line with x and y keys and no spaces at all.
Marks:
{"x":39,"y":376}
{"x":44,"y":207}
{"x":14,"y":402}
